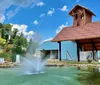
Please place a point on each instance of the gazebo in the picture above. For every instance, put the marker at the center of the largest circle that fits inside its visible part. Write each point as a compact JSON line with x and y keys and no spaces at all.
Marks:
{"x":83,"y":31}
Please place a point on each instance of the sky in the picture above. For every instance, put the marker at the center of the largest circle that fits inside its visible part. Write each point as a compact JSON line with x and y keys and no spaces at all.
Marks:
{"x":42,"y":18}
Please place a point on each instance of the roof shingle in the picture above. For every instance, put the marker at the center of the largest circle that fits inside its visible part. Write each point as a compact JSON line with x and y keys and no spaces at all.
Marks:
{"x":88,"y":31}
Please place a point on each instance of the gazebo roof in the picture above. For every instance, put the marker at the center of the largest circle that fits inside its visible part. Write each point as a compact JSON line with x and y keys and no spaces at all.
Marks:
{"x":88,"y":31}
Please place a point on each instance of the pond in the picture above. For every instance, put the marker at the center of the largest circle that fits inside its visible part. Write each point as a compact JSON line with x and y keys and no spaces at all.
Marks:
{"x":52,"y":76}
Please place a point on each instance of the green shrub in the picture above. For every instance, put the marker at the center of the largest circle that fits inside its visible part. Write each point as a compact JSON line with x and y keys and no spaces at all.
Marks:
{"x":90,"y":78}
{"x":13,"y":57}
{"x":6,"y":56}
{"x":20,"y":44}
{"x":2,"y":42}
{"x":89,"y":60}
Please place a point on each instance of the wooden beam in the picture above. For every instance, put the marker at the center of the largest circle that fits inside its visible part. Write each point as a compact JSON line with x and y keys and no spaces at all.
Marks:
{"x":59,"y":50}
{"x":80,"y":46}
{"x":89,"y":43}
{"x":93,"y":45}
{"x":78,"y":51}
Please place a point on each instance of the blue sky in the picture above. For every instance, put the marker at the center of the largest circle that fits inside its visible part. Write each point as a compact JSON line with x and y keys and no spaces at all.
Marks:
{"x":42,"y":18}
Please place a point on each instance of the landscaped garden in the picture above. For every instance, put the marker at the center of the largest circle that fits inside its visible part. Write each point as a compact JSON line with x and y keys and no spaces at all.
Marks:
{"x":11,"y":43}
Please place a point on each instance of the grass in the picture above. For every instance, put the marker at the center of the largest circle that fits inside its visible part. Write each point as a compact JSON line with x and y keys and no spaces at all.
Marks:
{"x":7,"y":65}
{"x":92,"y":77}
{"x":70,"y":62}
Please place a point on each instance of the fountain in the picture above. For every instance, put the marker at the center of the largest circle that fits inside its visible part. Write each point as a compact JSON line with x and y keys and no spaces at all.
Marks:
{"x":32,"y":64}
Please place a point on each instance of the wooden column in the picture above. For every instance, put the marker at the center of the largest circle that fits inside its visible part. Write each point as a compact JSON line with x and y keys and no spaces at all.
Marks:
{"x":59,"y":50}
{"x":93,"y":47}
{"x":78,"y":51}
{"x":93,"y":53}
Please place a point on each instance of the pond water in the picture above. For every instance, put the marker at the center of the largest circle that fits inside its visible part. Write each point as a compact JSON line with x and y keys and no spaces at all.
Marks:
{"x":52,"y":76}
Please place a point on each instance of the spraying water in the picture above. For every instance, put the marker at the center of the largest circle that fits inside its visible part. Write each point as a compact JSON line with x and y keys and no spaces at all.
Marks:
{"x":32,"y":64}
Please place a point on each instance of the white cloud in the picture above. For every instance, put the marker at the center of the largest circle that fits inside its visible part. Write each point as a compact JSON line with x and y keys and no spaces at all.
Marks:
{"x":11,"y":13}
{"x":35,"y":22}
{"x":64,"y":8}
{"x":25,"y":3}
{"x":42,"y":15}
{"x":31,"y":33}
{"x":5,"y":4}
{"x":40,"y":4}
{"x":2,"y":18}
{"x":50,"y":12}
{"x":49,"y":39}
{"x":21,"y":28}
{"x":61,"y":27}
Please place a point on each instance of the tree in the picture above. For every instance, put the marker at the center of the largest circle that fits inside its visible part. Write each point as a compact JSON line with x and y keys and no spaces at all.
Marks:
{"x":1,"y":25}
{"x":1,"y":31}
{"x":20,"y":44}
{"x":2,"y":42}
{"x":15,"y":32}
{"x":12,"y":35}
{"x":7,"y":31}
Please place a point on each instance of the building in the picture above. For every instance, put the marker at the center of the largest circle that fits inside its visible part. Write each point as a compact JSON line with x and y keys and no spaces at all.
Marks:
{"x":84,"y":32}
{"x":51,"y":49}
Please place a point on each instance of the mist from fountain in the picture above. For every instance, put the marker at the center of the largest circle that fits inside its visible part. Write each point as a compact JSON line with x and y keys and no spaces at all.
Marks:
{"x":32,"y":64}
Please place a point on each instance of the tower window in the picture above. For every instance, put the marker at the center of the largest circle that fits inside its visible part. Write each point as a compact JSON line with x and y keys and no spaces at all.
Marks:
{"x":76,"y":16}
{"x":82,"y":16}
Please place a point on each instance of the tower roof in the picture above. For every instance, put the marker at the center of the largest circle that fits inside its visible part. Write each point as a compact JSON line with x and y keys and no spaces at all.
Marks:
{"x":79,"y":6}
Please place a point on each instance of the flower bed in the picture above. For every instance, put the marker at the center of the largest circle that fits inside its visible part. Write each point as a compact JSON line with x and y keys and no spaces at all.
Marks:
{"x":7,"y":65}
